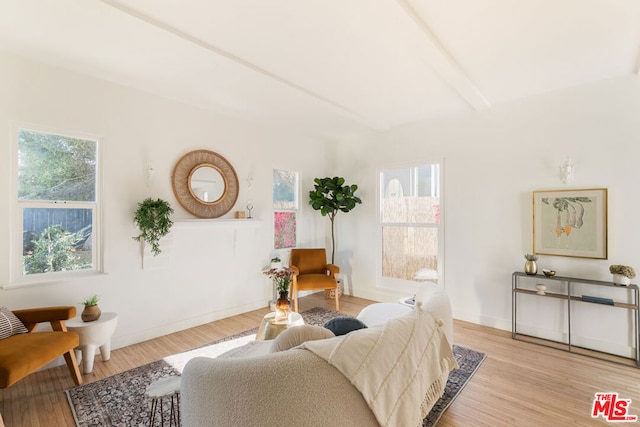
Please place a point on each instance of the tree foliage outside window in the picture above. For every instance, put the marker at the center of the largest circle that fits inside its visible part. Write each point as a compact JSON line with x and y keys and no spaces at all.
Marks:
{"x":57,"y":199}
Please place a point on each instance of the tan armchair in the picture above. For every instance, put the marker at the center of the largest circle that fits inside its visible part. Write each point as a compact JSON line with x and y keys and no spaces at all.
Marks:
{"x":311,"y":272}
{"x":23,"y":354}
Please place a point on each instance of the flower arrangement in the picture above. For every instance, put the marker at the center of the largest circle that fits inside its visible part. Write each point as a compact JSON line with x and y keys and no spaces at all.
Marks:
{"x":281,"y":277}
{"x":625,"y":270}
{"x":531,"y":257}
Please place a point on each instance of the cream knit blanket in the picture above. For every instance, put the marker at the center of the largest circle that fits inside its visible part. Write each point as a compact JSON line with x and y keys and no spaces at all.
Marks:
{"x":401,"y":367}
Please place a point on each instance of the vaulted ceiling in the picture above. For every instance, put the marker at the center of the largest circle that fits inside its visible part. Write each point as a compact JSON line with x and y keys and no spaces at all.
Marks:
{"x":332,"y":68}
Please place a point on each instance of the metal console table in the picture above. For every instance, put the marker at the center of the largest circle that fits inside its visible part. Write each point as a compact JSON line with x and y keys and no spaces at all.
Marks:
{"x":571,"y":298}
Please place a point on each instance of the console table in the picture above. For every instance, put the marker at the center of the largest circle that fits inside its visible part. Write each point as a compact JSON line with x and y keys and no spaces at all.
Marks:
{"x":518,"y":280}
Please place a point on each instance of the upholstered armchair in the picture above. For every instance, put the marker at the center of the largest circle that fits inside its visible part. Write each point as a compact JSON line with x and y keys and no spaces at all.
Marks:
{"x":25,"y":352}
{"x":311,"y":272}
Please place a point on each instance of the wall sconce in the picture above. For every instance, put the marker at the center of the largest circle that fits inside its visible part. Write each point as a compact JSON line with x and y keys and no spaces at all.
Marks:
{"x":566,"y":171}
{"x":149,"y":174}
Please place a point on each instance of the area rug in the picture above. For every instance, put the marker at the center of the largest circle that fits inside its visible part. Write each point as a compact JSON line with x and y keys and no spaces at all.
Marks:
{"x":120,"y":401}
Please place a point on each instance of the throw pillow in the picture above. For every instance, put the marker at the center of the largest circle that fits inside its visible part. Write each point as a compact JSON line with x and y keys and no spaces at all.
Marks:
{"x":342,"y":325}
{"x":296,"y":335}
{"x":10,"y":324}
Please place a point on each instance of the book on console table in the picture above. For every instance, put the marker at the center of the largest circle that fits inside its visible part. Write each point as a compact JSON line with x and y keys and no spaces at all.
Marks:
{"x":598,"y":300}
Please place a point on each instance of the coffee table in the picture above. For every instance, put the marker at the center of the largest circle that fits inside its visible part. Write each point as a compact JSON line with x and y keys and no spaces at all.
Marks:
{"x":269,"y":328}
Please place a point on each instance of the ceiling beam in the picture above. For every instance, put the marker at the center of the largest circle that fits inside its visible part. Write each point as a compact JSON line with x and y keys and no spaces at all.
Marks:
{"x":339,"y":108}
{"x":445,"y":65}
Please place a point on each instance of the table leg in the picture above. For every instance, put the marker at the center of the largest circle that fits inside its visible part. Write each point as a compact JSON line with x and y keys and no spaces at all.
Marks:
{"x":105,"y":350}
{"x":88,"y":354}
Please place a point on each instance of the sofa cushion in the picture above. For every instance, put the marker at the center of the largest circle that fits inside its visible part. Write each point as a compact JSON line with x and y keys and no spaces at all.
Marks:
{"x":10,"y":324}
{"x":342,"y":325}
{"x":22,"y":354}
{"x":296,"y":335}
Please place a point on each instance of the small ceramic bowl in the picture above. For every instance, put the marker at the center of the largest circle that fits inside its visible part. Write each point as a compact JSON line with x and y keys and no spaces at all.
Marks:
{"x":549,"y":273}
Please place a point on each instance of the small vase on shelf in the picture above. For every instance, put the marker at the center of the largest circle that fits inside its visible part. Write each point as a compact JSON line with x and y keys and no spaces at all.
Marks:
{"x":620,"y":279}
{"x":531,"y":267}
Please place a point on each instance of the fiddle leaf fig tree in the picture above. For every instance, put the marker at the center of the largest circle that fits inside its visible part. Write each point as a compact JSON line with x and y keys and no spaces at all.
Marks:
{"x":152,"y":218}
{"x":331,"y":196}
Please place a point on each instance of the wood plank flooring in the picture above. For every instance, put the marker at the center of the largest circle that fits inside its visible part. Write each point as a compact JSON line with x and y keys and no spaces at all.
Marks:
{"x":519,"y":384}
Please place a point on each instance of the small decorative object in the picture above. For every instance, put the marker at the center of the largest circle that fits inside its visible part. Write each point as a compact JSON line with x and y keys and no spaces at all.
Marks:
{"x":276,"y":263}
{"x":541,"y":288}
{"x":282,"y":279}
{"x":152,"y":218}
{"x":622,"y":274}
{"x":91,"y":310}
{"x":549,"y":273}
{"x":249,"y":209}
{"x":531,"y":267}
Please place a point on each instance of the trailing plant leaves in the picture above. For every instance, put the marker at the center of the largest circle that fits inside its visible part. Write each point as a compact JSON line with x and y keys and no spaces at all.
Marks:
{"x":152,"y":218}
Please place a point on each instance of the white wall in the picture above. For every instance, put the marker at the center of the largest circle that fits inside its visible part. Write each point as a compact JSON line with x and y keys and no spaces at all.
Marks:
{"x":208,"y":271}
{"x":493,"y":160}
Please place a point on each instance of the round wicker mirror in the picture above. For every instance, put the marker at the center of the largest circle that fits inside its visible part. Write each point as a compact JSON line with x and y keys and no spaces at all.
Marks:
{"x":205,"y":184}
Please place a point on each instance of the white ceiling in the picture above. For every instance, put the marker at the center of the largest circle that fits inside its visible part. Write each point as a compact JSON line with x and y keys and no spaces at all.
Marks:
{"x":332,"y":68}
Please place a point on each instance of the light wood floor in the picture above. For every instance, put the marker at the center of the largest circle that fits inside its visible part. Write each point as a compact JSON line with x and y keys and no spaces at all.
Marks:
{"x":519,"y":384}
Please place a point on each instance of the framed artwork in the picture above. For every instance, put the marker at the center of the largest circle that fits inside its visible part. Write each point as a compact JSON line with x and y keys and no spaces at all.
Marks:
{"x":570,"y":223}
{"x":285,"y":189}
{"x":284,"y":229}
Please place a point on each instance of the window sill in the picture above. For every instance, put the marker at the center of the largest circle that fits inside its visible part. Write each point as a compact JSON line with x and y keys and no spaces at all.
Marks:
{"x":51,"y":280}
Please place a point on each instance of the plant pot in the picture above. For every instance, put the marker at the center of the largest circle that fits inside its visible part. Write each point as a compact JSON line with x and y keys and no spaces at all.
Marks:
{"x":90,"y":313}
{"x":531,"y":268}
{"x":283,"y":307}
{"x":620,"y":279}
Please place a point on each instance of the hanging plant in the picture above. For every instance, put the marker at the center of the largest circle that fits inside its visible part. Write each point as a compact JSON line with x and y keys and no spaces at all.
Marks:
{"x":152,"y":218}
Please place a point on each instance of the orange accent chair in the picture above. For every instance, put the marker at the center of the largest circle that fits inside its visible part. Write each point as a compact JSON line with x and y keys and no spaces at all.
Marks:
{"x":23,"y":354}
{"x":311,"y":272}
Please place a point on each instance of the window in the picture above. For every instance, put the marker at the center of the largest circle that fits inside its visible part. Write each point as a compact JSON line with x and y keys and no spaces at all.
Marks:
{"x":285,"y":203}
{"x":57,"y":204}
{"x":410,"y":220}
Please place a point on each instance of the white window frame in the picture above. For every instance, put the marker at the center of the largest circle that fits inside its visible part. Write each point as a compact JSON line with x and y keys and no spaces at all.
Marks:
{"x":16,"y":276}
{"x":401,"y":285}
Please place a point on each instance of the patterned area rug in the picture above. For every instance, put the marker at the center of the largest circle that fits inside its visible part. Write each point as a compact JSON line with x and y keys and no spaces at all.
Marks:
{"x":120,"y":400}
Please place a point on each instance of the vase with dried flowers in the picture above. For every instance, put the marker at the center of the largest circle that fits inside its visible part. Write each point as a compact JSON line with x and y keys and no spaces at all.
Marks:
{"x":622,"y":274}
{"x":282,"y":279}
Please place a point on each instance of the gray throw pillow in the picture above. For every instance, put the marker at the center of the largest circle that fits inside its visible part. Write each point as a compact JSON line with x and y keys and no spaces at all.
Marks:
{"x":342,"y":325}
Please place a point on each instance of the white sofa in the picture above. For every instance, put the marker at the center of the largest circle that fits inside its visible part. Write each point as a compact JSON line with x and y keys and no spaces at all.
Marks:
{"x":388,"y":374}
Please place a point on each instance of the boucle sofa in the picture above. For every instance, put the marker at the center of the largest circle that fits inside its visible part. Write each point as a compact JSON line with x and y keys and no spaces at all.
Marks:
{"x":388,"y":374}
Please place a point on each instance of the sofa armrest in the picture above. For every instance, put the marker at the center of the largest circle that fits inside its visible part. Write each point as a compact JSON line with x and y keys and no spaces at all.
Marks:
{"x":294,"y":386}
{"x":54,"y":315}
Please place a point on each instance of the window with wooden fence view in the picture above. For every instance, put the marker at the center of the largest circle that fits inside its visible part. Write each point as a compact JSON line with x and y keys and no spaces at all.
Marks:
{"x":57,"y":202}
{"x":410,"y":218}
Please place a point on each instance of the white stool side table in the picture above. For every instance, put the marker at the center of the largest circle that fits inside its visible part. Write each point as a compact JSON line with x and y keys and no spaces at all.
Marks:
{"x":157,"y":391}
{"x":93,"y":335}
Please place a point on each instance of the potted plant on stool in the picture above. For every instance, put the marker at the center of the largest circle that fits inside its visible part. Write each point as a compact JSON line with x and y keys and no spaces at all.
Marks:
{"x":91,"y":310}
